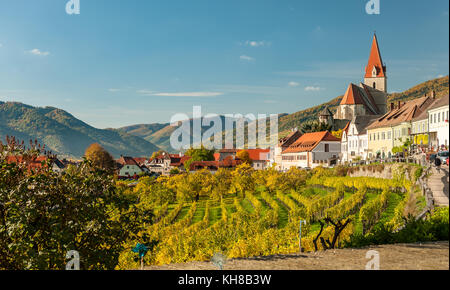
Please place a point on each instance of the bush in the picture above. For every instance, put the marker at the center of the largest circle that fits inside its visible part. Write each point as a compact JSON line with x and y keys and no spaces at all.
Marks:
{"x":435,"y":228}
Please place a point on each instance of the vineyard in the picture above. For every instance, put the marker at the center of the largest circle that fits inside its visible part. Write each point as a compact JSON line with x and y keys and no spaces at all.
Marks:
{"x":260,"y":213}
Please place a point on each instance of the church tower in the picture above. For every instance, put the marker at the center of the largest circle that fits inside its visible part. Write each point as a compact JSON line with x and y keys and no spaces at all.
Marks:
{"x":375,"y":76}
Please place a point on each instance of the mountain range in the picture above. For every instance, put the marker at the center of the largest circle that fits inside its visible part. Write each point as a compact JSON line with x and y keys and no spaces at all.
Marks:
{"x":64,"y":134}
{"x":68,"y":136}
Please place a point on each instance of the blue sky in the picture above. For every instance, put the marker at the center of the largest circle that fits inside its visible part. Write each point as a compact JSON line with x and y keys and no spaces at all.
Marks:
{"x":126,"y":62}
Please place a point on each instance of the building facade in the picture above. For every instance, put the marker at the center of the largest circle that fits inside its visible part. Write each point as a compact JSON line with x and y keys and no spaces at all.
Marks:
{"x":355,"y":140}
{"x":312,"y":150}
{"x":438,"y":123}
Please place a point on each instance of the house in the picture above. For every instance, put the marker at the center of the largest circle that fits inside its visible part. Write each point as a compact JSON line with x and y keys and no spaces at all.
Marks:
{"x":438,"y":123}
{"x":128,"y":167}
{"x":165,"y":162}
{"x":419,"y":131}
{"x":282,"y":145}
{"x":260,"y":158}
{"x":355,"y":140}
{"x":37,"y":163}
{"x":312,"y":150}
{"x":224,"y":153}
{"x":394,"y":128}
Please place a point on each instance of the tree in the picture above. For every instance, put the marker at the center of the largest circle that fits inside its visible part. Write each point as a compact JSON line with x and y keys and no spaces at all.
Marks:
{"x":222,"y":182}
{"x":44,"y":214}
{"x":243,"y":179}
{"x":315,"y":126}
{"x":99,"y":157}
{"x":337,"y":134}
{"x":245,"y":157}
{"x":201,"y":154}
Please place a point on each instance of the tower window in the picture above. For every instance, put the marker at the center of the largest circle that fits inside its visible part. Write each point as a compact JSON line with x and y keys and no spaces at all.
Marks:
{"x":374,"y":85}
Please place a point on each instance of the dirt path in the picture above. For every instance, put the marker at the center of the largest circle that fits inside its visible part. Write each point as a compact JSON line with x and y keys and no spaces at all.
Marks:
{"x":424,"y":256}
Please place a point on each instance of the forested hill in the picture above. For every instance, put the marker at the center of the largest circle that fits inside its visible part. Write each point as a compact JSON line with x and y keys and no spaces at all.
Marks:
{"x":439,"y":85}
{"x":64,"y":134}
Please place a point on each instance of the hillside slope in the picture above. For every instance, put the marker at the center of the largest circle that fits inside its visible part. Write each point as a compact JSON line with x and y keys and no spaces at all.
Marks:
{"x":159,"y":134}
{"x":439,"y":85}
{"x":64,"y":134}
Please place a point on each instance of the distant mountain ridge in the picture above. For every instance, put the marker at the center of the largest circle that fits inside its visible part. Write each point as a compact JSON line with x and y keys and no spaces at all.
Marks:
{"x":64,"y":134}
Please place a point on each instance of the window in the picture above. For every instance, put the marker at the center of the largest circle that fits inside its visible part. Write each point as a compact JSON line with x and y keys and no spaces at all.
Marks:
{"x":439,"y":117}
{"x":374,"y":85}
{"x":327,"y":147}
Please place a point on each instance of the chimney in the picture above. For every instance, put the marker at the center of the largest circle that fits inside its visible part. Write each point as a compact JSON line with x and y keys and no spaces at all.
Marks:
{"x":433,"y":94}
{"x":392,"y":106}
{"x":399,"y":104}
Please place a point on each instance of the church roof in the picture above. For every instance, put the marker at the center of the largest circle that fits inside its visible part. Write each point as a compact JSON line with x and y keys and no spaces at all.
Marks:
{"x":326,"y":112}
{"x":356,"y":95}
{"x":375,"y":60}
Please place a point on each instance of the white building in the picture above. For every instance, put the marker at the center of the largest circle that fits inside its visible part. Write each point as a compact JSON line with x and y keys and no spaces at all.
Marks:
{"x":129,"y":167}
{"x":355,"y":140}
{"x":312,"y":150}
{"x":438,"y":123}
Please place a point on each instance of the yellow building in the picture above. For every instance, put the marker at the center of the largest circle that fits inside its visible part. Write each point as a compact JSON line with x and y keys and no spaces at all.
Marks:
{"x":394,"y":128}
{"x":380,"y":142}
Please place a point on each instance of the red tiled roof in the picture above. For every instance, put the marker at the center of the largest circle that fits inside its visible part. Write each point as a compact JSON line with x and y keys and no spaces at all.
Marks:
{"x":375,"y":60}
{"x":309,"y":141}
{"x":178,"y":161}
{"x":356,"y":95}
{"x":405,"y":113}
{"x":346,"y":128}
{"x":352,"y":96}
{"x":257,"y":154}
{"x":32,"y":164}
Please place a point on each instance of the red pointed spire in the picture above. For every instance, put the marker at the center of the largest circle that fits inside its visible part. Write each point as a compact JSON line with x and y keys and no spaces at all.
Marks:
{"x":375,"y":61}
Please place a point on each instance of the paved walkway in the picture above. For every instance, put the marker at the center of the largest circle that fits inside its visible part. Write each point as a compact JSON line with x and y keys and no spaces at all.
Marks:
{"x":439,"y":185}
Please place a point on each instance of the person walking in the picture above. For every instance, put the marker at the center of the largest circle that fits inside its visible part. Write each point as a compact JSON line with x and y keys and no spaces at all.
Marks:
{"x":437,"y":163}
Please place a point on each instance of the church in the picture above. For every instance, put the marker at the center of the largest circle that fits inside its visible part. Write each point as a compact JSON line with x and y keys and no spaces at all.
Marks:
{"x":369,"y":98}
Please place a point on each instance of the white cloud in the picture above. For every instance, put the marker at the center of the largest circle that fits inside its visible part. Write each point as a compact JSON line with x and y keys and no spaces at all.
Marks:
{"x":113,"y":90}
{"x":145,"y":92}
{"x":270,"y":102}
{"x":246,"y":58}
{"x":313,"y":89}
{"x":254,"y":43}
{"x":38,"y":52}
{"x":293,"y":84}
{"x":188,"y":94}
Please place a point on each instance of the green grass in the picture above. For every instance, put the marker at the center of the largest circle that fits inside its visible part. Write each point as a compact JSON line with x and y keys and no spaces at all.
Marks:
{"x":183,"y":213}
{"x":246,"y":204}
{"x":388,"y":214}
{"x":199,"y":213}
{"x":215,"y":214}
